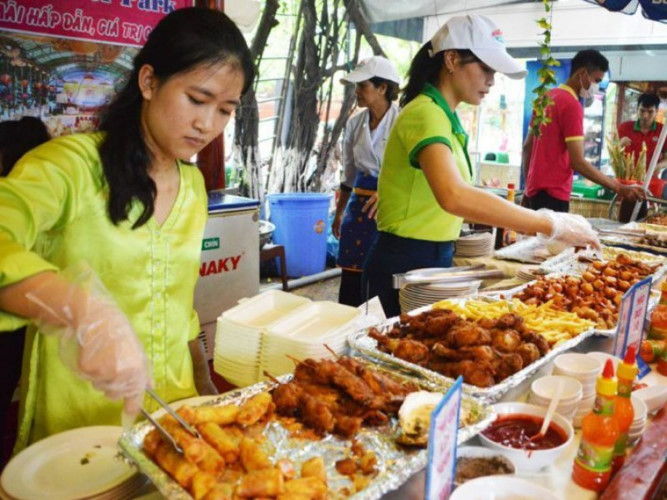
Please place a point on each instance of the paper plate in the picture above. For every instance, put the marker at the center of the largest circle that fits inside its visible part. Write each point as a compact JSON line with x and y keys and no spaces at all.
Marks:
{"x":68,"y":466}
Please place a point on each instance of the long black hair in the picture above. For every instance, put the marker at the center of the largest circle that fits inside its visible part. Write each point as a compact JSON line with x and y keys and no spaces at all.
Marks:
{"x":19,"y":137}
{"x":426,"y":69}
{"x":182,"y":40}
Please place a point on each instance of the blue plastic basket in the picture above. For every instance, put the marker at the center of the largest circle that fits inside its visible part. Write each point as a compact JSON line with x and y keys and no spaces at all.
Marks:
{"x":301,"y":226}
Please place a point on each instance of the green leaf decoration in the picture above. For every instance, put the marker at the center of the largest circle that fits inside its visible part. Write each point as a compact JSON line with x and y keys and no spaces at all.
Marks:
{"x":546,"y":75}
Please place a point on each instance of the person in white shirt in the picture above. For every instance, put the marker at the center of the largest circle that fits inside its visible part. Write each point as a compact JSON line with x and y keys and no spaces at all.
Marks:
{"x":376,"y":87}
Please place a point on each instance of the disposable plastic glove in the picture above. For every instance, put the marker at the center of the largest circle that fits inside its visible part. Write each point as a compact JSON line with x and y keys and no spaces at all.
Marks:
{"x":96,"y":339}
{"x":568,"y":230}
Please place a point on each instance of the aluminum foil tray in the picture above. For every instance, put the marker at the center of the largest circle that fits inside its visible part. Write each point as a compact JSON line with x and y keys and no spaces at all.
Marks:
{"x":362,"y":343}
{"x":529,"y":250}
{"x":567,"y":262}
{"x":395,"y":466}
{"x":632,"y":244}
{"x":654,"y":300}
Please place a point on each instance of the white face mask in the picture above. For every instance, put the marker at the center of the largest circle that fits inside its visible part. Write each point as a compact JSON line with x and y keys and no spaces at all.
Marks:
{"x":590,"y":92}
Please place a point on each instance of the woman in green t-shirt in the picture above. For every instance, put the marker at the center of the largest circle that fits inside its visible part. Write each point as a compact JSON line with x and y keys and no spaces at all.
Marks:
{"x":100,"y":236}
{"x":425,"y":186}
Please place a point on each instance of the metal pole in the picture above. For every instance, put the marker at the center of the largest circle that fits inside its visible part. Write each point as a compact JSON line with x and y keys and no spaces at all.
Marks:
{"x":657,"y":153}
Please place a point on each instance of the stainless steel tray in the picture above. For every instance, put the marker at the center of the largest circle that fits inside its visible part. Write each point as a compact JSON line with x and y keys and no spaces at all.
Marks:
{"x":362,"y":343}
{"x":567,"y":262}
{"x":395,"y":464}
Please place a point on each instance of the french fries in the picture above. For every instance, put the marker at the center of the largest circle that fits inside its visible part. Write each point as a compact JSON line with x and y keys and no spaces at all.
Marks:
{"x":554,"y":325}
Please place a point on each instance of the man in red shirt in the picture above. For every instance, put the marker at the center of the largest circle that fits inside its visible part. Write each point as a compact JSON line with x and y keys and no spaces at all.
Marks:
{"x":550,"y":160}
{"x":634,"y":134}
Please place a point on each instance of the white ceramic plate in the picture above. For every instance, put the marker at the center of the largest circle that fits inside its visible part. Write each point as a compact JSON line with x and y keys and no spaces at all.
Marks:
{"x":67,"y":466}
{"x":501,"y":488}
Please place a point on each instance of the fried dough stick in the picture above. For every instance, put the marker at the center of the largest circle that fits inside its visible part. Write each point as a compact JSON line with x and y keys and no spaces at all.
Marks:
{"x":221,"y":415}
{"x":254,"y":409}
{"x":225,"y":440}
{"x":261,"y":483}
{"x":195,"y":450}
{"x":252,"y":456}
{"x":177,"y":466}
{"x":221,"y":491}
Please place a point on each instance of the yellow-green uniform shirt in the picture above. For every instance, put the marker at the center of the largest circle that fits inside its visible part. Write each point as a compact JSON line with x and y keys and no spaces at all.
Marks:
{"x":407,"y":206}
{"x":54,"y":214}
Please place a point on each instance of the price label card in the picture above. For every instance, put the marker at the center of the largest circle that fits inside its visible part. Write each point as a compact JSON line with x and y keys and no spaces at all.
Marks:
{"x":631,"y":317}
{"x":442,"y":445}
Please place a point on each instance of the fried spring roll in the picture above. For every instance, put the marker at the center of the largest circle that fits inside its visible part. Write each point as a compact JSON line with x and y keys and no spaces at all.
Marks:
{"x":177,"y":466}
{"x":221,"y":415}
{"x":254,"y":409}
{"x":252,"y":456}
{"x":261,"y":483}
{"x":225,"y":440}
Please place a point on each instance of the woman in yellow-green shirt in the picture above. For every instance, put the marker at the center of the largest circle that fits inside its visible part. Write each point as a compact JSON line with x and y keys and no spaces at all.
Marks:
{"x":122,"y":207}
{"x":425,"y":184}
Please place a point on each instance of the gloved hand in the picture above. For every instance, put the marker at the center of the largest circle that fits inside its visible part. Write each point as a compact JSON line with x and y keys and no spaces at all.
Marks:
{"x":568,"y":230}
{"x":96,"y":339}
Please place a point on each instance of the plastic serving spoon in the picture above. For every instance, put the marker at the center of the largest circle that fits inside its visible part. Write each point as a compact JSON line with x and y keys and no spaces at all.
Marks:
{"x":550,"y":412}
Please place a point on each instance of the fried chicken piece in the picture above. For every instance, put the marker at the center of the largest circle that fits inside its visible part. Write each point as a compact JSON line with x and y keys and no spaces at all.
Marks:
{"x":507,"y":364}
{"x":528,"y":352}
{"x":478,"y":373}
{"x":346,"y":466}
{"x":412,"y":351}
{"x":509,"y":320}
{"x":505,"y":340}
{"x":537,"y":339}
{"x":480,"y":352}
{"x":438,"y":326}
{"x":315,"y":414}
{"x":468,"y":334}
{"x":348,"y":426}
{"x":286,"y":397}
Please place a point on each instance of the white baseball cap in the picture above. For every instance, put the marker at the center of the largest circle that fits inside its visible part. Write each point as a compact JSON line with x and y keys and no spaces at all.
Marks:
{"x":483,"y":38}
{"x":376,"y":66}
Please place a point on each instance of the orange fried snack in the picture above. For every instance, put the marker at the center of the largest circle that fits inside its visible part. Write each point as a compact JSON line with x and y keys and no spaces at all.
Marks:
{"x":313,"y":487}
{"x":252,"y":456}
{"x":202,"y":483}
{"x":221,"y":415}
{"x":255,"y":408}
{"x":314,"y":467}
{"x":177,"y":466}
{"x":226,"y":440}
{"x":195,"y":450}
{"x":221,"y":491}
{"x":261,"y":483}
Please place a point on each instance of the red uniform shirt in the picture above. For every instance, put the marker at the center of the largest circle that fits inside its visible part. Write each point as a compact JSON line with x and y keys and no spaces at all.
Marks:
{"x":632,"y":131}
{"x":550,"y":168}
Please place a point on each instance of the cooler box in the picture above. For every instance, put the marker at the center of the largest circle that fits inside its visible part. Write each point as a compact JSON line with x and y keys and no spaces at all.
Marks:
{"x":229,"y":268}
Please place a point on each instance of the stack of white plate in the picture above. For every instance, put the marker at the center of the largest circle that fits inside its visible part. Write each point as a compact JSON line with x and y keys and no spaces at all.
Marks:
{"x":418,"y":295}
{"x":80,"y":463}
{"x":239,"y":333}
{"x":475,"y":245}
{"x":317,"y":330}
{"x":527,"y":273}
{"x":585,"y":369}
{"x":639,"y":423}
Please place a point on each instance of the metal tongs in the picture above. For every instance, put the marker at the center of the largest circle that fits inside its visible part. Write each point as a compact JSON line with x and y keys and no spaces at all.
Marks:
{"x":161,"y":430}
{"x":448,"y":275}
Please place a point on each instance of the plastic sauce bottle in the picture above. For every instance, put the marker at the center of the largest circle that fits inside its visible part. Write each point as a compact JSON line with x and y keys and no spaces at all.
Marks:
{"x":599,"y":432}
{"x":624,"y":413}
{"x":510,"y":235}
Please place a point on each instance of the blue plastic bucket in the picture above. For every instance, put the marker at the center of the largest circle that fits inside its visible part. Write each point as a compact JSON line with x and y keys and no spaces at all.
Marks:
{"x":301,"y":226}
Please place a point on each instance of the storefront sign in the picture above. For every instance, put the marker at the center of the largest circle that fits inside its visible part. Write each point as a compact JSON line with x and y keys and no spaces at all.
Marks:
{"x":442,"y":445}
{"x":125,"y":22}
{"x":631,"y":317}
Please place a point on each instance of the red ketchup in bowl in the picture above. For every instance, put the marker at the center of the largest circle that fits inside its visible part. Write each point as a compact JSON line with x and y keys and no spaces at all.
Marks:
{"x":514,"y":431}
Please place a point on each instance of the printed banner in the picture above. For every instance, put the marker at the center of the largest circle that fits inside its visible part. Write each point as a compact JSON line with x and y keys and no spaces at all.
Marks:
{"x":124,"y":22}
